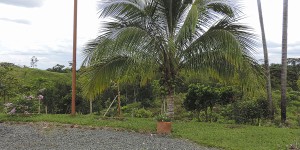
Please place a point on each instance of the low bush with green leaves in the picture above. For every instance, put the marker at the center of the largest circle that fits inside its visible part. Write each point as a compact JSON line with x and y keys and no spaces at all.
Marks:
{"x":247,"y":112}
{"x":142,"y":113}
{"x":162,"y":118}
{"x":23,"y":105}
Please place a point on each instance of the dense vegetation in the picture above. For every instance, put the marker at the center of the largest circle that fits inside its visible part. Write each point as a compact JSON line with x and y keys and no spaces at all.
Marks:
{"x":204,"y":99}
{"x":194,"y":62}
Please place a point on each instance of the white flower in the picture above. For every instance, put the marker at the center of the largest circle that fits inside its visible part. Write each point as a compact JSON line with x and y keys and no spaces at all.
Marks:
{"x":8,"y":104}
{"x":40,"y":97}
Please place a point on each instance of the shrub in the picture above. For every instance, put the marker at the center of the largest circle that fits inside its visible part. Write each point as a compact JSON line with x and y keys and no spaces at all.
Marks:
{"x":26,"y":104}
{"x":130,"y":109}
{"x":201,"y":97}
{"x":247,"y":111}
{"x":162,"y":118}
{"x":142,"y":113}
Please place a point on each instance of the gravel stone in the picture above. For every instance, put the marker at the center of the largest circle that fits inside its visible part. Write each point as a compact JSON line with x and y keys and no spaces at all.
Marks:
{"x":48,"y":136}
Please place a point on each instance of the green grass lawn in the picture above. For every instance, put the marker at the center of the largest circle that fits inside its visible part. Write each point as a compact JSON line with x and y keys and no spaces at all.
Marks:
{"x":227,"y":136}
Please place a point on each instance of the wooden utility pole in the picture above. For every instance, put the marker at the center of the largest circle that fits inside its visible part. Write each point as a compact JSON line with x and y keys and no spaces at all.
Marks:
{"x":74,"y":59}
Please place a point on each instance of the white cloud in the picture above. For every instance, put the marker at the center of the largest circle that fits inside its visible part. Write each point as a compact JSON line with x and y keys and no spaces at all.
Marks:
{"x":24,"y":3}
{"x":44,"y":28}
{"x":272,"y":14}
{"x":50,"y":33}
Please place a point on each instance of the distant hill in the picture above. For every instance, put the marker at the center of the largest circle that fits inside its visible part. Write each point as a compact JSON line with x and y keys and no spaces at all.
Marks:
{"x":29,"y":80}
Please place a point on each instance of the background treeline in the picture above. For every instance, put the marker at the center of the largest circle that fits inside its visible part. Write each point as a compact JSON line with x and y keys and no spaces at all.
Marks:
{"x":202,"y":99}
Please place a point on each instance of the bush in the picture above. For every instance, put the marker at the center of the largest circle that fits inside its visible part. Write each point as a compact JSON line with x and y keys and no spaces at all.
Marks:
{"x":142,"y":113}
{"x":23,"y":105}
{"x":131,"y":107}
{"x":162,"y":118}
{"x":247,"y":111}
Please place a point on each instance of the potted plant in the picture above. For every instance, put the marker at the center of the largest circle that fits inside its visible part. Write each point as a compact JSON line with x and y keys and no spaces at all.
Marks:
{"x":163,"y":124}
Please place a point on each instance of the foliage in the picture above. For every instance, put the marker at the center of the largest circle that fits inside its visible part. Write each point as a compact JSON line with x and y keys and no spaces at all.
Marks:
{"x":162,"y":118}
{"x":292,"y":76}
{"x":58,"y":98}
{"x":24,"y":105}
{"x":59,"y":68}
{"x":142,"y":113}
{"x":9,"y":84}
{"x":228,"y":95}
{"x":247,"y":111}
{"x":129,"y":108}
{"x":164,"y":37}
{"x":200,"y":97}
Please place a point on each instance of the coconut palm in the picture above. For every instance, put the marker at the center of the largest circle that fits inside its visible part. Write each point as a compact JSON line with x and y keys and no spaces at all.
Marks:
{"x":167,"y":37}
{"x":284,"y":61}
{"x":266,"y":60}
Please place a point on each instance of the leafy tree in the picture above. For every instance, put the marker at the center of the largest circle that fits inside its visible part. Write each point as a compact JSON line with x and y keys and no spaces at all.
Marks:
{"x":295,"y":63}
{"x":292,"y":76}
{"x":59,"y":68}
{"x":249,"y":111}
{"x":33,"y":62}
{"x":227,"y":95}
{"x":200,"y":97}
{"x":146,"y":37}
{"x":58,"y":98}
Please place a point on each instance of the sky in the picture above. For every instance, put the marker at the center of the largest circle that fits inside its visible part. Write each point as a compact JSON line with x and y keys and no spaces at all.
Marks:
{"x":44,"y":29}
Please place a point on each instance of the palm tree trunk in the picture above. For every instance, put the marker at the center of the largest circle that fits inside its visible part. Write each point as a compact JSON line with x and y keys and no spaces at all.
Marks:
{"x":91,"y":106}
{"x":119,"y":100}
{"x":170,"y":103}
{"x":284,"y":61}
{"x":266,"y":58}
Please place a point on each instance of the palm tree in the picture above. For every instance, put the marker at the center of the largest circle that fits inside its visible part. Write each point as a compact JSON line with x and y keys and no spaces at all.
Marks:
{"x":284,"y":61}
{"x":266,"y":58}
{"x":167,"y":37}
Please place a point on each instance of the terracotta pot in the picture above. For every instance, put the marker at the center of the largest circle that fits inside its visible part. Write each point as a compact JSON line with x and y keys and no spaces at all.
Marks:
{"x":164,"y":127}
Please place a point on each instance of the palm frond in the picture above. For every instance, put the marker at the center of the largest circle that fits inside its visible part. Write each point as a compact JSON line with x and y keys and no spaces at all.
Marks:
{"x":222,"y":46}
{"x":115,"y":8}
{"x":188,"y":28}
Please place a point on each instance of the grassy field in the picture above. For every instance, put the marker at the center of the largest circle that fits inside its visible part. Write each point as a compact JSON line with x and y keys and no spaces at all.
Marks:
{"x":226,"y":136}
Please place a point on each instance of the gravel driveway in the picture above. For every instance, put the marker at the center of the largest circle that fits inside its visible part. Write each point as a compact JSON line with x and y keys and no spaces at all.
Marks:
{"x":44,"y":136}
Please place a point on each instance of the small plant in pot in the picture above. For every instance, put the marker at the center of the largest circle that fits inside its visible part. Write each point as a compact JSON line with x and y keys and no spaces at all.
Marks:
{"x":163,"y":124}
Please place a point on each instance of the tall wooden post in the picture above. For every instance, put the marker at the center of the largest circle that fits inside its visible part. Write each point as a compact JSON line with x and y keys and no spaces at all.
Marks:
{"x":74,"y":59}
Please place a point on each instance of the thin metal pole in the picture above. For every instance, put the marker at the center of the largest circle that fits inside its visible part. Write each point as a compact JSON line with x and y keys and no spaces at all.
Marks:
{"x":74,"y":59}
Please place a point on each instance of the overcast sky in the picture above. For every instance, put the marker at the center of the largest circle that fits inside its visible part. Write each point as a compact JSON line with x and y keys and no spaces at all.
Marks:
{"x":44,"y":29}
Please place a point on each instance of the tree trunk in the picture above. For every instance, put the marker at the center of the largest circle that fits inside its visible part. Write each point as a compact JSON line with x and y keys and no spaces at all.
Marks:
{"x":206,"y":115}
{"x":39,"y":110}
{"x":119,"y":101}
{"x":211,"y":113}
{"x":284,"y":61}
{"x":266,"y":59}
{"x":170,"y":103}
{"x":91,"y":106}
{"x":198,"y":115}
